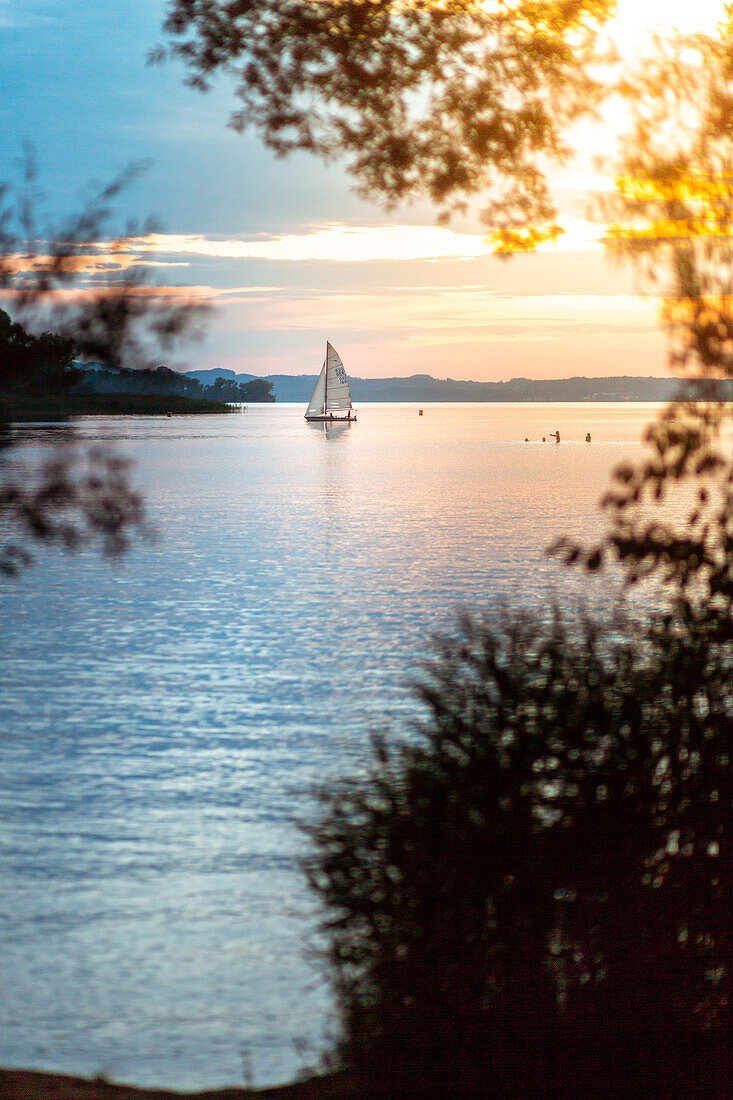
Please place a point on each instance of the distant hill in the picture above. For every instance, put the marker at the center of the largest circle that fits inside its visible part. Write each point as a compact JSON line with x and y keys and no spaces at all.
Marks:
{"x":208,"y":377}
{"x":423,"y":387}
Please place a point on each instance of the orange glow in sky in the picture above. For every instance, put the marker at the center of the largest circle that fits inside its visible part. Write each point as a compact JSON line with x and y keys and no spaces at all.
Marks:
{"x":283,"y":247}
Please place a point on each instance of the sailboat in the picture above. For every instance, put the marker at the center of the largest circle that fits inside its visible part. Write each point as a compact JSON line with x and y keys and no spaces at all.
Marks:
{"x":331,"y":398}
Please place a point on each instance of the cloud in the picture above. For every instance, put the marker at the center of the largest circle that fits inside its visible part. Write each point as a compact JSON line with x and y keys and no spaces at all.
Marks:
{"x":331,"y":243}
{"x":339,"y":243}
{"x":452,"y":316}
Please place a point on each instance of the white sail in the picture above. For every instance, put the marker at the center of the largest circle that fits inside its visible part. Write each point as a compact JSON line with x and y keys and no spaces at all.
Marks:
{"x":338,"y":394}
{"x":317,"y":405}
{"x":331,"y":393}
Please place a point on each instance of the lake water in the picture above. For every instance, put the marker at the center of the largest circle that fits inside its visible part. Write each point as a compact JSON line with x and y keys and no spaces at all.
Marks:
{"x":163,"y":716}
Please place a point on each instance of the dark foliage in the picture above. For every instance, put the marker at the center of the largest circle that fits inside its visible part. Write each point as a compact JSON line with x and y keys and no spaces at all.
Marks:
{"x":34,"y":364}
{"x":157,"y":380}
{"x":161,"y":380}
{"x":533,"y":891}
{"x":444,"y":98}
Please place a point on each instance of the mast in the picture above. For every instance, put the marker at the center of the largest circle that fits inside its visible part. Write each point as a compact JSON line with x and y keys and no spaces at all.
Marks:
{"x":329,"y":400}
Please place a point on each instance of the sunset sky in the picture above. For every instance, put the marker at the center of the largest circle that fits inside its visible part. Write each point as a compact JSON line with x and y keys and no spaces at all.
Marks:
{"x":284,"y":249}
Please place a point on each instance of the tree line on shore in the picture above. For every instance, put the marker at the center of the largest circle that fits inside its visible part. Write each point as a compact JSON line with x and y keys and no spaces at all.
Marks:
{"x":45,"y":366}
{"x":163,"y":380}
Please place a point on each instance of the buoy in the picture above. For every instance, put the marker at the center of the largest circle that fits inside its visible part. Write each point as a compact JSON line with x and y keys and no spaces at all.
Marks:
{"x":419,"y":413}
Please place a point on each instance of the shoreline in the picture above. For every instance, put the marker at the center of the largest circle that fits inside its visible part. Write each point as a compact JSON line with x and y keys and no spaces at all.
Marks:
{"x":109,"y":404}
{"x":28,"y":1084}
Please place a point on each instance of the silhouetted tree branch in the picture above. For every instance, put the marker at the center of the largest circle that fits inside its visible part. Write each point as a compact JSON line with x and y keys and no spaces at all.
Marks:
{"x":441,"y":99}
{"x":72,"y":283}
{"x":672,"y":219}
{"x":75,"y":280}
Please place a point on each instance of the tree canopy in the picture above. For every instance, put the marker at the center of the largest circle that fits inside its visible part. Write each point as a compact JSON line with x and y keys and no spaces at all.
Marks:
{"x":671,"y":217}
{"x":42,"y":363}
{"x":438,"y":98}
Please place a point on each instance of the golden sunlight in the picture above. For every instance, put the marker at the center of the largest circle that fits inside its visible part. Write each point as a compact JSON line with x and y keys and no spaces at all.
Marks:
{"x":636,"y":20}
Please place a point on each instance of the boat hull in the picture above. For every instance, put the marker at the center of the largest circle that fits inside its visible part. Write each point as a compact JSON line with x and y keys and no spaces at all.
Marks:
{"x":331,"y":419}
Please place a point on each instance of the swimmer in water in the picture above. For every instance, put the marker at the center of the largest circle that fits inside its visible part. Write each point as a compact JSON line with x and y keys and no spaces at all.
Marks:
{"x":587,"y":438}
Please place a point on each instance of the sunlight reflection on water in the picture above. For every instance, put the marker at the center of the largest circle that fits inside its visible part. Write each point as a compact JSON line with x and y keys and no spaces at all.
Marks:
{"x":162,"y":717}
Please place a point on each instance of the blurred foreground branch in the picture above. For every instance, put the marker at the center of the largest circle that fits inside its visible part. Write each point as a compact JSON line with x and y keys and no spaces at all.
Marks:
{"x":73,"y":295}
{"x":76,"y":279}
{"x":671,"y":218}
{"x":443,"y":99}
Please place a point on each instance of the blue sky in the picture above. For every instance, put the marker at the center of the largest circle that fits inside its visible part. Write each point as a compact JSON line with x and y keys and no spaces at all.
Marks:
{"x":285,"y":251}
